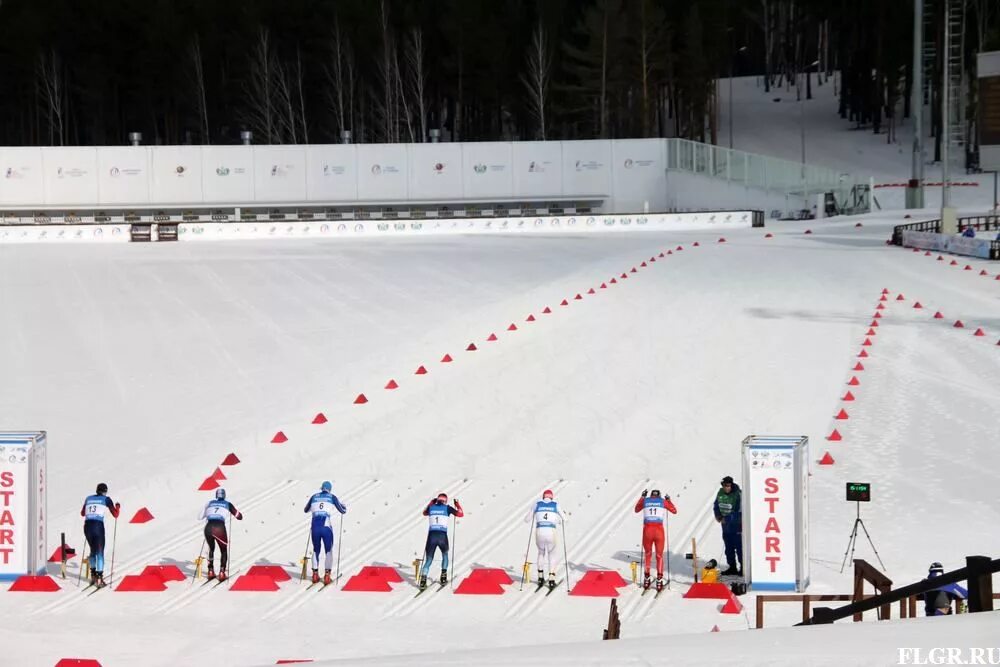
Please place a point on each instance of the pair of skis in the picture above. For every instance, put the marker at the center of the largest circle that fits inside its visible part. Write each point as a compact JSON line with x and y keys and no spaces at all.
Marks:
{"x":551,"y":588}
{"x":323,"y":586}
{"x":427,"y":588}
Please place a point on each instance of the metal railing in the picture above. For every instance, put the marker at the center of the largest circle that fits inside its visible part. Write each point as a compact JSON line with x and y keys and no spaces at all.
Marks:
{"x":981,"y":223}
{"x":764,"y":172}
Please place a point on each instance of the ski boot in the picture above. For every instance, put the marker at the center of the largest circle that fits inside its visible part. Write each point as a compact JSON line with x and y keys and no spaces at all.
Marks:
{"x":541,"y":577}
{"x":315,"y":577}
{"x":222,"y":576}
{"x":646,"y":582}
{"x":327,"y":580}
{"x":93,"y":578}
{"x":444,"y":577}
{"x":211,"y":573}
{"x":552,"y":580}
{"x":99,"y":580}
{"x":659,"y":584}
{"x":423,"y":581}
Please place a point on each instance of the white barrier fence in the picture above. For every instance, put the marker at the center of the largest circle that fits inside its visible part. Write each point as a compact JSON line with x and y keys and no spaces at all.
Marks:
{"x":230,"y":231}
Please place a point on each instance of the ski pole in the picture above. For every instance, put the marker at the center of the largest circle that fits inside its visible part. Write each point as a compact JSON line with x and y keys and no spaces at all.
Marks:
{"x":114,"y":540}
{"x":565,"y":553}
{"x":85,"y":562}
{"x":340,"y":543}
{"x":454,"y":541}
{"x":666,"y":521}
{"x":229,"y":537}
{"x":524,"y":570}
{"x":305,"y":555}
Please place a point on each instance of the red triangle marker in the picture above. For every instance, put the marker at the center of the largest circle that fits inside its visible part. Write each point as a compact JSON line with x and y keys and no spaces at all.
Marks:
{"x":624,"y":277}
{"x":881,"y":306}
{"x":529,"y":318}
{"x":634,"y":270}
{"x":958,"y":324}
{"x":670,"y":252}
{"x":927,"y":254}
{"x":591,"y":291}
{"x":208,"y":484}
{"x":885,"y":290}
{"x":863,"y":354}
{"x":391,"y":385}
{"x":218,"y":475}
{"x":854,"y":381}
{"x":842,"y":414}
{"x":808,"y":231}
{"x":279,"y":438}
{"x":320,"y":418}
{"x":967,"y":268}
{"x":877,"y":315}
{"x":940,"y":258}
{"x":679,"y":248}
{"x":361,"y":399}
{"x":871,"y":332}
{"x":722,"y":239}
{"x":859,"y":367}
{"x":883,"y":298}
{"x":547,"y":310}
{"x":577,"y":297}
{"x":143,"y":515}
{"x":421,"y":371}
{"x":899,"y":297}
{"x":604,"y":286}
{"x":984,"y":273}
{"x":696,"y":244}
{"x":472,"y":348}
{"x":835,"y":436}
{"x":662,"y":255}
{"x":492,"y":338}
{"x":769,"y":235}
{"x":512,"y":327}
{"x":938,"y":315}
{"x":613,"y":281}
{"x":652,"y":259}
{"x":953,"y":263}
{"x":874,"y":323}
{"x":848,"y":397}
{"x":979,"y":332}
{"x":715,"y":628}
{"x":867,"y":342}
{"x":446,"y":359}
{"x":230,"y":460}
{"x":643,"y":265}
{"x":564,"y":303}
{"x":827,"y":460}
{"x":917,"y":304}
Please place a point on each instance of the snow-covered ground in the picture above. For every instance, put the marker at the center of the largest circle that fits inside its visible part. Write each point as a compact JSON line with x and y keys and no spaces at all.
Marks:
{"x":147,"y":364}
{"x":771,"y":124}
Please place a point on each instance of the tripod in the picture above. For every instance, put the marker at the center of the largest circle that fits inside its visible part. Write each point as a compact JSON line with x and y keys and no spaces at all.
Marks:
{"x":852,"y":542}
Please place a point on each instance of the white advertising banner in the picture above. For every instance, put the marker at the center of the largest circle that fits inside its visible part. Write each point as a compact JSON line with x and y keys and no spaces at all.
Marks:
{"x":537,"y":168}
{"x":279,"y":173}
{"x":586,"y":168}
{"x":22,"y":504}
{"x":35,"y":233}
{"x":177,"y":177}
{"x":435,"y":171}
{"x":775,"y":513}
{"x":123,"y":175}
{"x":487,"y":170}
{"x":331,"y":172}
{"x":70,"y":176}
{"x":227,"y":174}
{"x":382,"y":172}
{"x":21,"y":177}
{"x":953,"y":243}
{"x":639,"y":175}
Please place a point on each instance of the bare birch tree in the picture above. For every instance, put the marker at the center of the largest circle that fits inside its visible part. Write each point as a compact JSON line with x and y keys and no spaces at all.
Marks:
{"x":389,"y":129}
{"x":401,"y":97}
{"x":52,"y":84}
{"x":259,"y":113}
{"x":536,"y":80}
{"x":198,"y":81}
{"x":418,"y":78}
{"x":302,"y":99}
{"x":284,"y":105}
{"x":340,"y":77}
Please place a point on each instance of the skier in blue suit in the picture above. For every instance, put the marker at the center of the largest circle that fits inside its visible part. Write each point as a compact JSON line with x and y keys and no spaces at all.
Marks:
{"x":320,"y":504}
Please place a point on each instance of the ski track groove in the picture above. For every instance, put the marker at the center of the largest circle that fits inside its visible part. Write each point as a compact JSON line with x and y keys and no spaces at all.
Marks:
{"x":157,"y":552}
{"x":285,"y":607}
{"x":697,"y":528}
{"x":583,"y":548}
{"x":481,"y":545}
{"x":275,"y":540}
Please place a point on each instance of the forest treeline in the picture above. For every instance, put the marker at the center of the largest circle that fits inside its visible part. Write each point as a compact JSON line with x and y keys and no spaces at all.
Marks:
{"x":84,"y":72}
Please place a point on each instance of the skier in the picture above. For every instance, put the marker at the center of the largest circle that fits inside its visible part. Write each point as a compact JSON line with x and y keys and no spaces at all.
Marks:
{"x":729,"y":512}
{"x":654,"y":509}
{"x":710,"y":573}
{"x":215,"y":531}
{"x":322,"y":528}
{"x":547,"y":518}
{"x":937,"y":602}
{"x":437,"y":511}
{"x":93,"y":510}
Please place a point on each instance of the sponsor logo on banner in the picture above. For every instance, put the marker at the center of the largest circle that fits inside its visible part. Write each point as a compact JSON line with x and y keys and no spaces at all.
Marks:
{"x":115,"y":172}
{"x":537,"y":167}
{"x":970,"y":247}
{"x":629,"y":163}
{"x":180,"y":169}
{"x":222,"y":171}
{"x":376,"y":169}
{"x":479,"y":168}
{"x":588,"y":165}
{"x":334,"y":169}
{"x":439,"y":167}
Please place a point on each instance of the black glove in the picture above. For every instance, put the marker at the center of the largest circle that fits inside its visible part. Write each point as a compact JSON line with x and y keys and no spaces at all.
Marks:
{"x":239,"y":516}
{"x":645,"y":492}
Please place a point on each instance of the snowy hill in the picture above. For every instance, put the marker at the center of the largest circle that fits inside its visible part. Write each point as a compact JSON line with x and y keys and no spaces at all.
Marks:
{"x":149,"y":364}
{"x":771,"y":124}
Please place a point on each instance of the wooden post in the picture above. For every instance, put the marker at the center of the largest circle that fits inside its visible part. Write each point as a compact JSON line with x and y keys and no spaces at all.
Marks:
{"x":613,"y":630}
{"x":980,"y":583}
{"x":805,"y":608}
{"x":694,"y":559}
{"x":859,"y":591}
{"x":760,"y":612}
